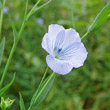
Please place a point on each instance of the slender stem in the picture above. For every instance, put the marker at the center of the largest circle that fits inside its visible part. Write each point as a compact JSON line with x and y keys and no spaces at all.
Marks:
{"x":34,"y":7}
{"x":84,"y":35}
{"x":1,"y":17}
{"x":52,"y":75}
{"x":13,"y":50}
{"x":44,"y":76}
{"x":36,"y":10}
{"x":26,"y":10}
{"x":40,"y":83}
{"x":15,"y":43}
{"x":11,"y":55}
{"x":30,"y":107}
{"x":7,"y":65}
{"x":43,"y":88}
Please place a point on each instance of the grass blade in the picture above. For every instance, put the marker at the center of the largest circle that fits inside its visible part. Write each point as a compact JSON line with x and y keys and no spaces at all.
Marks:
{"x":2,"y":46}
{"x":3,"y":90}
{"x":22,"y":107}
{"x":41,"y":93}
{"x":39,"y":8}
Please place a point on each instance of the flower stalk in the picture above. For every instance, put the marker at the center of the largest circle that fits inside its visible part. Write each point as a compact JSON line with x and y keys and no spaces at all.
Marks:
{"x":42,"y":89}
{"x":14,"y":46}
{"x":44,"y":76}
{"x":17,"y":40}
{"x":84,"y":35}
{"x":1,"y":17}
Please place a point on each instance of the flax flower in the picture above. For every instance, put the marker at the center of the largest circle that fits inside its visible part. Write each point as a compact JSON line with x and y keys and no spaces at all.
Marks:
{"x":66,"y":51}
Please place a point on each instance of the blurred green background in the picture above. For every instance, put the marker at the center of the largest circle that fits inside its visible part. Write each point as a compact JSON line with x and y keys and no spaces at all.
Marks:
{"x":85,"y":88}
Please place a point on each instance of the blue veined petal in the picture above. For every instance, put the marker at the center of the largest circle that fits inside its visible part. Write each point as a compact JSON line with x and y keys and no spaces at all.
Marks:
{"x":58,"y":66}
{"x":76,"y":54}
{"x":71,"y":36}
{"x":53,"y":31}
{"x":59,"y":40}
{"x":68,"y":51}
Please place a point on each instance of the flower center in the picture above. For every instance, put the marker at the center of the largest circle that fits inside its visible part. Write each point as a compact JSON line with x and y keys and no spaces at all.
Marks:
{"x":57,"y":51}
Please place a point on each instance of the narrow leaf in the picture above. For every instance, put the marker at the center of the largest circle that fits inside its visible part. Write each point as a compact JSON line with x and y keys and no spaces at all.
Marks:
{"x":13,"y":27}
{"x":2,"y":46}
{"x":36,"y":10}
{"x":100,"y":18}
{"x":22,"y":107}
{"x":41,"y":93}
{"x":3,"y":90}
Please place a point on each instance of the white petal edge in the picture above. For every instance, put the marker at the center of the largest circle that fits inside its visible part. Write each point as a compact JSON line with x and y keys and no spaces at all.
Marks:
{"x":71,"y":36}
{"x":79,"y":56}
{"x":58,"y":66}
{"x":45,"y":43}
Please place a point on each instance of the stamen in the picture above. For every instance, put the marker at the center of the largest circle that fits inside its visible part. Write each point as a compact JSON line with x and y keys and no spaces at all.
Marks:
{"x":57,"y":51}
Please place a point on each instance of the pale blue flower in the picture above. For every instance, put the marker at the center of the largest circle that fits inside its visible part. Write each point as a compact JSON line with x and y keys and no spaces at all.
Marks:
{"x":40,"y":21}
{"x":5,"y":10}
{"x":66,"y":51}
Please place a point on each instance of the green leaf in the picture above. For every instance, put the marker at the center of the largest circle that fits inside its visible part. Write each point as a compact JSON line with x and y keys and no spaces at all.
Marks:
{"x":2,"y":46}
{"x":22,"y":107}
{"x":3,"y":90}
{"x":41,"y":93}
{"x":100,"y":18}
{"x":36,"y":10}
{"x":13,"y":27}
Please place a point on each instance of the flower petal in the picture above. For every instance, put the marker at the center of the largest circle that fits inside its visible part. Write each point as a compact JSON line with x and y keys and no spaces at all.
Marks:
{"x":45,"y":44}
{"x":75,"y":54}
{"x":59,"y":39}
{"x":58,"y":66}
{"x":69,"y":51}
{"x":54,"y":29}
{"x":71,"y":36}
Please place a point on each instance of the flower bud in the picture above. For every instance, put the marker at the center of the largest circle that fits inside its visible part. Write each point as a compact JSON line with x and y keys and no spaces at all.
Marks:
{"x":6,"y":104}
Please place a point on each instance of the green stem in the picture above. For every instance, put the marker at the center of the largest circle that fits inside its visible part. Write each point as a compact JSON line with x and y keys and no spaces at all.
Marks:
{"x":17,"y":40}
{"x":36,"y":10}
{"x":52,"y":75}
{"x":13,"y":49}
{"x":1,"y":17}
{"x":11,"y":55}
{"x":44,"y":76}
{"x":33,"y":8}
{"x":84,"y":35}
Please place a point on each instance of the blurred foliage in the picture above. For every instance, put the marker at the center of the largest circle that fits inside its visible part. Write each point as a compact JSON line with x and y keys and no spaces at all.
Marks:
{"x":85,"y":88}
